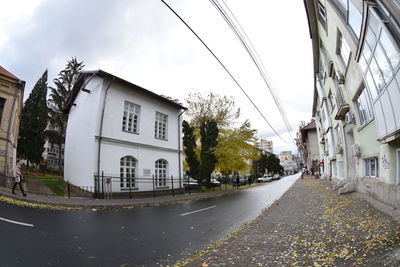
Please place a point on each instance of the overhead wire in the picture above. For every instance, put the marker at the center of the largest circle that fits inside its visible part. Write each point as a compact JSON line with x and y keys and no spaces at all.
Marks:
{"x":250,"y":49}
{"x":224,"y":67}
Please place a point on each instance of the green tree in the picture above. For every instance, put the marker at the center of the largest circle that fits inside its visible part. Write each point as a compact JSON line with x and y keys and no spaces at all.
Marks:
{"x":189,"y":147}
{"x":34,"y":120}
{"x":236,"y":149}
{"x":213,"y":107}
{"x":58,"y":96}
{"x":208,"y":159}
{"x":269,"y":162}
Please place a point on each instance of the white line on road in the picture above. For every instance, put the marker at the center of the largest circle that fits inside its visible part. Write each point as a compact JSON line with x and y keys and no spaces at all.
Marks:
{"x":187,"y":213}
{"x":15,"y":222}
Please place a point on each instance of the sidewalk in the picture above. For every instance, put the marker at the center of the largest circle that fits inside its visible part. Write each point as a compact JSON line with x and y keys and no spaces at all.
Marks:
{"x":58,"y":203}
{"x":311,"y":225}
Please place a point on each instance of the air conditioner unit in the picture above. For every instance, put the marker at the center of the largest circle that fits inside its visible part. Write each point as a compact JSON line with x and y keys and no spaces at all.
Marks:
{"x":339,"y":149}
{"x":339,"y":77}
{"x":349,"y":118}
{"x":356,"y":150}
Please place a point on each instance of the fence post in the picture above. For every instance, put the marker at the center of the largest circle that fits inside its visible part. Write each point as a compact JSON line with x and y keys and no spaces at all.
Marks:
{"x":172,"y":185}
{"x":102,"y":184}
{"x":68,"y":189}
{"x":130,"y":187}
{"x":154,"y":190}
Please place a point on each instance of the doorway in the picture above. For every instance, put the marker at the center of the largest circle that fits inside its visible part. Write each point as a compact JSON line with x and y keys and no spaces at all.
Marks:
{"x":351,"y":161}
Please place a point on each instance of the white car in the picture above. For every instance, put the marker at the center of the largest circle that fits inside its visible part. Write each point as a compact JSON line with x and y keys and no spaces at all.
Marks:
{"x":265,"y":178}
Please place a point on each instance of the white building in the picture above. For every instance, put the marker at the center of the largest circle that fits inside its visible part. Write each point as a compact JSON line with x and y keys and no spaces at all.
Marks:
{"x":123,"y":131}
{"x":266,"y":145}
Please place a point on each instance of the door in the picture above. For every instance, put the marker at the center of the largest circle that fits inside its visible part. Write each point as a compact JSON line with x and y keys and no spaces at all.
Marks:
{"x":351,"y":161}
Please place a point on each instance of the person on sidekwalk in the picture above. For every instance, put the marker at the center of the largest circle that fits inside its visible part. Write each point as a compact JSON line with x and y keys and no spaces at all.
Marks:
{"x":18,"y":179}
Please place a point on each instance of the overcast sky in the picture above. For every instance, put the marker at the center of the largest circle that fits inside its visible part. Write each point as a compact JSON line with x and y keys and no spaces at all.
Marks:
{"x":143,"y":42}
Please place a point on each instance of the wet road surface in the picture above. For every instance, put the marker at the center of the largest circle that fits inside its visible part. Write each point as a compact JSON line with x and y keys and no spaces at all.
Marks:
{"x":149,"y":236}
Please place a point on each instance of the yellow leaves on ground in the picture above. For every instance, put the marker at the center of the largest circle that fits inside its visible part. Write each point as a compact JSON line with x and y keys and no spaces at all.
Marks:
{"x":35,"y":205}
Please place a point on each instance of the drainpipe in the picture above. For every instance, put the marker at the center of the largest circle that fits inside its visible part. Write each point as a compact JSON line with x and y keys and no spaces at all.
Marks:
{"x":10,"y":120}
{"x":101,"y":126}
{"x":179,"y":145}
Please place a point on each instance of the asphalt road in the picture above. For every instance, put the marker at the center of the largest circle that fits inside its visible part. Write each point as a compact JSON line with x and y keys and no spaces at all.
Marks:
{"x":139,"y":237}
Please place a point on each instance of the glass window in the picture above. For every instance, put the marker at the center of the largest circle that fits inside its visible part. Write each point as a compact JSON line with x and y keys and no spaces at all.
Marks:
{"x":344,"y":49}
{"x":127,"y":172}
{"x":371,"y":167}
{"x":161,"y":172}
{"x":390,"y":48}
{"x":383,"y":63}
{"x":371,"y":85}
{"x":322,"y":14}
{"x":354,"y":19}
{"x":377,"y":75}
{"x":130,"y":119}
{"x":364,"y":108}
{"x":2,"y":102}
{"x":160,"y":129}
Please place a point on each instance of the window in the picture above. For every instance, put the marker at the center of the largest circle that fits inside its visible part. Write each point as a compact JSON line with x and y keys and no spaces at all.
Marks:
{"x":2,"y":102}
{"x":130,"y":119}
{"x":364,"y":108}
{"x":380,"y":55}
{"x":161,"y":173}
{"x":160,"y":129}
{"x":322,"y":15}
{"x":127,"y":172}
{"x":343,"y":49}
{"x":354,"y":19}
{"x":338,"y":135}
{"x":371,"y":167}
{"x":332,"y":101}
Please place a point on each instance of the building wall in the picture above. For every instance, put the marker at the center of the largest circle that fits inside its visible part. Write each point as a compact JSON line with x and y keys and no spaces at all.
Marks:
{"x":83,"y":135}
{"x":12,"y":91}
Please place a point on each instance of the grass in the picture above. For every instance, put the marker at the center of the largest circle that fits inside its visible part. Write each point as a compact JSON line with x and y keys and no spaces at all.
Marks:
{"x":54,"y":182}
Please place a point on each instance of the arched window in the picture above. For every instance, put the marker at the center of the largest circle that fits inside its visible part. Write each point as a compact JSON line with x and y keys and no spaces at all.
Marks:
{"x":127,"y":172}
{"x":161,"y":172}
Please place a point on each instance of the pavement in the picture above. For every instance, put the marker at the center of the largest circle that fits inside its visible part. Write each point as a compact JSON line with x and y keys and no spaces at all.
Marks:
{"x":59,"y":202}
{"x":311,"y":225}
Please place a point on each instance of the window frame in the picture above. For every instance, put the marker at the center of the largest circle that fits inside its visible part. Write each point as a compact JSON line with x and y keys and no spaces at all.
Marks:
{"x":160,"y":173}
{"x":322,"y":16}
{"x":163,"y":135}
{"x":124,"y":183}
{"x":126,"y":115}
{"x":367,"y":167}
{"x":2,"y":107}
{"x":364,"y":121}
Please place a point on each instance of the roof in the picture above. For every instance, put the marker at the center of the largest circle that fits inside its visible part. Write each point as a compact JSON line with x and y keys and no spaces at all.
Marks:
{"x":5,"y":72}
{"x":305,"y":129}
{"x":84,"y":74}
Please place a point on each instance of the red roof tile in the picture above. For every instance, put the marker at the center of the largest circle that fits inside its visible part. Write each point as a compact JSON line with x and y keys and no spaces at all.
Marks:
{"x":5,"y":72}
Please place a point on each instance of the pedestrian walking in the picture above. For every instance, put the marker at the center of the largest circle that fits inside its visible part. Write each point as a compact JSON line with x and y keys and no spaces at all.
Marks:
{"x":249,"y":180}
{"x":237,"y":181}
{"x":18,"y":178}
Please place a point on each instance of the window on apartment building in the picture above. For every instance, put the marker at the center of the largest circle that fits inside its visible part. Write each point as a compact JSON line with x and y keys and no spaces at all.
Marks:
{"x":364,"y":107}
{"x":160,"y":129}
{"x":380,"y":55}
{"x":338,"y":135}
{"x":2,"y":102}
{"x":127,"y":172}
{"x":331,"y":100}
{"x":343,"y":49}
{"x":322,"y":14}
{"x":354,"y":19}
{"x":130,"y":119}
{"x":371,"y":167}
{"x":161,"y":172}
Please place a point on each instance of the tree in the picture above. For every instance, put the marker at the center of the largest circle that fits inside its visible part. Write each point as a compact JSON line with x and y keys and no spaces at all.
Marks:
{"x":236,"y":148}
{"x":213,"y":107}
{"x":208,"y":159}
{"x":58,"y":96}
{"x":301,"y":147}
{"x":34,"y":120}
{"x":189,"y":146}
{"x":267,"y":161}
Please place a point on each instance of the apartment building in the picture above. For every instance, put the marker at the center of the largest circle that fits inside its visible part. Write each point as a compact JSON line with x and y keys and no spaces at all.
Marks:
{"x":356,"y":51}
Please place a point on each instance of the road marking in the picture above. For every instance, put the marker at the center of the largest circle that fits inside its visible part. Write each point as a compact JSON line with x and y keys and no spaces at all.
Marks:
{"x":188,"y":213}
{"x":15,"y":222}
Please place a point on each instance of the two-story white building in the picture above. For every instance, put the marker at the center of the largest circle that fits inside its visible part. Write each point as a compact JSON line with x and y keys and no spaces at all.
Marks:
{"x":124,"y":132}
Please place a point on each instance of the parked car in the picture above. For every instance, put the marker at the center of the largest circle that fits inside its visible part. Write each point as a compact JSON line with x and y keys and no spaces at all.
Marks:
{"x":265,"y":178}
{"x":276,"y":177}
{"x":243,"y":180}
{"x":215,"y":182}
{"x":190,"y":183}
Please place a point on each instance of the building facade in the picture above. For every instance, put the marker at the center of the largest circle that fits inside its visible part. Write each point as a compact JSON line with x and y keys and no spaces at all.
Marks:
{"x":357,"y":93}
{"x":309,"y":138}
{"x":266,"y":145}
{"x":122,"y":131}
{"x":11,"y":102}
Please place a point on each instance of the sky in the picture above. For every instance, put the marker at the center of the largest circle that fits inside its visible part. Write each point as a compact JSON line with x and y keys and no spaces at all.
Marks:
{"x":143,"y":42}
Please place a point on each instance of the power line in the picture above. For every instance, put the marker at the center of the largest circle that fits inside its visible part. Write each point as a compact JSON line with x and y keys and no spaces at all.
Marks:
{"x":248,"y":45}
{"x":219,"y":61}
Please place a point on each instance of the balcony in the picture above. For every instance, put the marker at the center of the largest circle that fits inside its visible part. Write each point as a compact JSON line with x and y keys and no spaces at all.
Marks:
{"x":343,"y":106}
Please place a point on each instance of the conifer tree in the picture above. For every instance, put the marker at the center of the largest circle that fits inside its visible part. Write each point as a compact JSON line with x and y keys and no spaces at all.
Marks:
{"x":33,"y":123}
